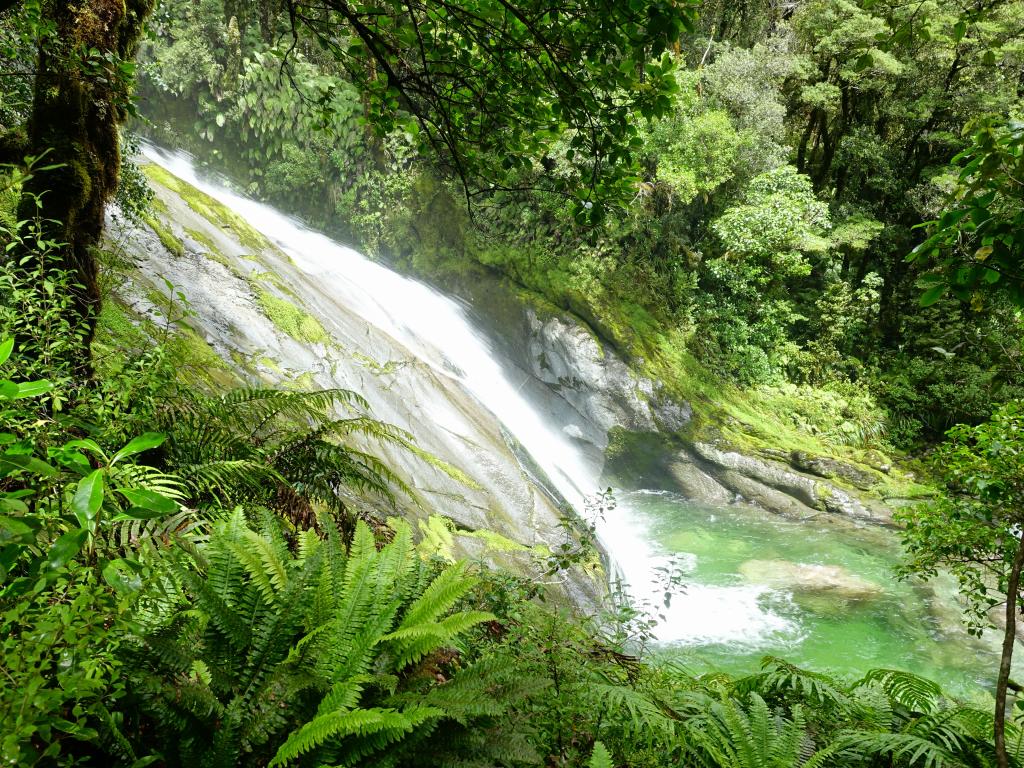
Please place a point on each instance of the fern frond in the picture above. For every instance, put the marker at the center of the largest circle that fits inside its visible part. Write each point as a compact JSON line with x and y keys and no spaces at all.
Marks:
{"x":780,"y":678}
{"x":384,"y":723}
{"x":230,"y":480}
{"x":644,"y":715}
{"x":917,"y":751}
{"x":411,"y":644}
{"x":147,"y":478}
{"x":911,"y":691}
{"x":600,"y":757}
{"x":450,"y":586}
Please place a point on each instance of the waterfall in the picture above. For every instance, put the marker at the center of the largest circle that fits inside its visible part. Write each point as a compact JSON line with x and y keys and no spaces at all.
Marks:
{"x":439,"y":332}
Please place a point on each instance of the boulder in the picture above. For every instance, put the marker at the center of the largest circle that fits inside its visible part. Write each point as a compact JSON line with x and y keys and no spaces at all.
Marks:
{"x":696,"y":484}
{"x":810,"y":579}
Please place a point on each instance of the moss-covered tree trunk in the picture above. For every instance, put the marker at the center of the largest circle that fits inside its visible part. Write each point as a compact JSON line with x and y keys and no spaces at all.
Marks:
{"x":81,"y":93}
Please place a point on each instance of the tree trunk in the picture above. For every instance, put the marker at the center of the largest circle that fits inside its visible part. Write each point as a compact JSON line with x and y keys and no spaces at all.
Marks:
{"x":80,"y":98}
{"x":1005,"y":662}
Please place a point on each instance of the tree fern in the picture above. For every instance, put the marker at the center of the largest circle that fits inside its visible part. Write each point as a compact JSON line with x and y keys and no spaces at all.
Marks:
{"x":247,"y":445}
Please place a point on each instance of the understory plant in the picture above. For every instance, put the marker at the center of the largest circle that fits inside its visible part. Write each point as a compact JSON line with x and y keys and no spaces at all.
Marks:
{"x":264,"y":653}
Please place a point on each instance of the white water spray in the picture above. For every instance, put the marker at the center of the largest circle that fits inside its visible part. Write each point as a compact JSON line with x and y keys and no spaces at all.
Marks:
{"x":437,"y":330}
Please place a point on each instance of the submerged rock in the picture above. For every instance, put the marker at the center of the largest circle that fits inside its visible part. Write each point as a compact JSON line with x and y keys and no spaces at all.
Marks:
{"x":810,"y":579}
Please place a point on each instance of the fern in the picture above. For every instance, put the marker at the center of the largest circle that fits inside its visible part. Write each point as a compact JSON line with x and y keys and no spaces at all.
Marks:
{"x":905,"y":688}
{"x":376,"y":726}
{"x":914,"y":750}
{"x":644,"y":715}
{"x":600,"y":757}
{"x":278,"y":653}
{"x":280,"y":449}
{"x":729,"y":736}
{"x":782,"y":679}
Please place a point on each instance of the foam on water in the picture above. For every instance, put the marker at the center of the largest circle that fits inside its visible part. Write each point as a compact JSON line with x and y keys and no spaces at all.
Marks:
{"x":439,"y":332}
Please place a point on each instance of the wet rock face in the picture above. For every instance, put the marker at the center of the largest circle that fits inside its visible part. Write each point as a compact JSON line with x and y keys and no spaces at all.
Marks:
{"x":567,"y":356}
{"x":709,"y":474}
{"x":833,"y":468}
{"x":598,"y":394}
{"x":781,"y":489}
{"x":810,"y":579}
{"x":735,"y":465}
{"x":223,"y":280}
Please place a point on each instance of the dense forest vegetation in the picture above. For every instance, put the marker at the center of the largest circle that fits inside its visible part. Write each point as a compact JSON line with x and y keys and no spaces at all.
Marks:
{"x":816,"y":205}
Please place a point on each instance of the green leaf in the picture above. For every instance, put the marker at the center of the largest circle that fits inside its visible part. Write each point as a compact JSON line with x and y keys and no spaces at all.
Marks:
{"x":138,"y":513}
{"x":149,"y":500}
{"x":14,"y":461}
{"x":33,"y":388}
{"x":88,"y":499}
{"x":7,"y":504}
{"x":64,"y":549}
{"x":932,"y":295}
{"x":600,"y":757}
{"x":14,"y":530}
{"x":122,"y":575}
{"x":6,"y":347}
{"x":87,"y":444}
{"x":141,"y":443}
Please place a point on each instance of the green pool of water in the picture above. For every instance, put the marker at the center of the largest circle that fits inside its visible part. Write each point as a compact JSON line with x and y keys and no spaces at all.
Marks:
{"x":734,"y":555}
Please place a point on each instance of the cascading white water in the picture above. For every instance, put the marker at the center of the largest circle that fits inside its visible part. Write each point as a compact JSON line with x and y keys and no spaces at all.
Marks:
{"x":438,"y":331}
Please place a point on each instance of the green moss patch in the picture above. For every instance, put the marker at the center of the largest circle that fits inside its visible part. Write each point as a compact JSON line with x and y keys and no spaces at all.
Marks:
{"x":440,"y":537}
{"x":451,"y":470}
{"x":173,"y":245}
{"x":292,"y":320}
{"x":196,"y":360}
{"x":208,"y":208}
{"x":117,"y":330}
{"x":212,"y":252}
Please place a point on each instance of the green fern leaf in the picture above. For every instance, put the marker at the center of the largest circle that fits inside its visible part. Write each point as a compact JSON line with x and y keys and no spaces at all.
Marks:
{"x":334,"y":725}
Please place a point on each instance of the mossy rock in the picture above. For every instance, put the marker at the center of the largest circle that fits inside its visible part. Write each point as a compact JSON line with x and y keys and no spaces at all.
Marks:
{"x":205,"y":206}
{"x":173,"y":245}
{"x":290,"y":319}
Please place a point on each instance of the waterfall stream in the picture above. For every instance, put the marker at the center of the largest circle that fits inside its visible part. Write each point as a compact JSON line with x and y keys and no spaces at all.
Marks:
{"x":440,"y":333}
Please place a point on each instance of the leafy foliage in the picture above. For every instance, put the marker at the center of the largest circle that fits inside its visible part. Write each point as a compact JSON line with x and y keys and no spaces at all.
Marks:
{"x":970,"y":529}
{"x":295,"y":657}
{"x":978,"y":240}
{"x":67,"y":582}
{"x":492,"y":86}
{"x":287,"y":450}
{"x":776,"y":161}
